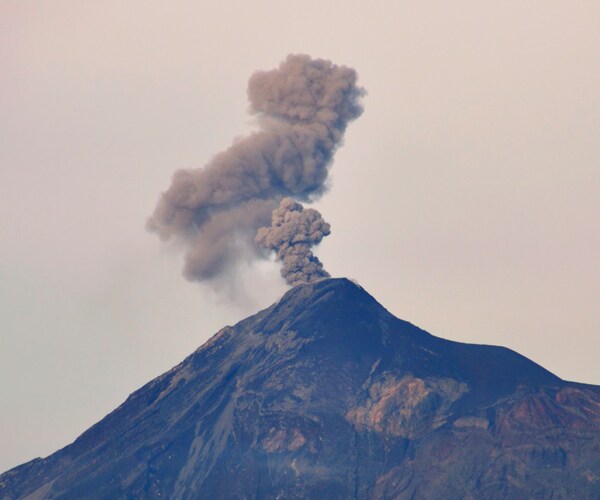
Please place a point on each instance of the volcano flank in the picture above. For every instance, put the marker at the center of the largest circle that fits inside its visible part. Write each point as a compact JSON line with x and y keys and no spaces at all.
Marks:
{"x":326,"y":394}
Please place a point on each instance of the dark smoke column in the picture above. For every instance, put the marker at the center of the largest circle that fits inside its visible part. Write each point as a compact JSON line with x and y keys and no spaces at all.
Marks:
{"x":303,"y":109}
{"x":292,"y":233}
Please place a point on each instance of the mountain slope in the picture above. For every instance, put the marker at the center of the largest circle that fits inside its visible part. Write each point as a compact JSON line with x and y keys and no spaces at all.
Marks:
{"x":327,"y":395}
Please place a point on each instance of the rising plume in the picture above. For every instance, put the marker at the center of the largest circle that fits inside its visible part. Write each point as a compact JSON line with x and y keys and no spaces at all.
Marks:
{"x":303,"y":108}
{"x":293,"y":231}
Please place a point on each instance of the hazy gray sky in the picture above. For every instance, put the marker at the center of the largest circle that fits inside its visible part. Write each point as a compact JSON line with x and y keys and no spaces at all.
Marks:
{"x":465,"y":198}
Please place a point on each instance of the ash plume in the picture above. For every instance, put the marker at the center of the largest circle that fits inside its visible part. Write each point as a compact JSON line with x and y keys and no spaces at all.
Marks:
{"x":293,"y":231}
{"x":303,"y":108}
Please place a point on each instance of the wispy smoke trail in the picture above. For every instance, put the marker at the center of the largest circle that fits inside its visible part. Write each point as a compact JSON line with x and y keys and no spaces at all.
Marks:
{"x":303,"y":109}
{"x":292,"y":233}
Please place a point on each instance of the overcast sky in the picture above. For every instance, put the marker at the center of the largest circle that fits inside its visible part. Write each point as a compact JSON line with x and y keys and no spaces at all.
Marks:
{"x":465,"y":199}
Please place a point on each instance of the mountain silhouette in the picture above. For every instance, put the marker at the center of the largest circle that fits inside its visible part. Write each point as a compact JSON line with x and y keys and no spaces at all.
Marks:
{"x":327,"y":395}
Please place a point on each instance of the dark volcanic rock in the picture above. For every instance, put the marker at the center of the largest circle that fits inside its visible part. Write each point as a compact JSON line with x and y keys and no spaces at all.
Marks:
{"x":327,"y":395}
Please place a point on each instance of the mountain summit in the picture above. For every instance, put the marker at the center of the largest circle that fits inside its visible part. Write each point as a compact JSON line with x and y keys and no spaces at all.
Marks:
{"x":326,"y":394}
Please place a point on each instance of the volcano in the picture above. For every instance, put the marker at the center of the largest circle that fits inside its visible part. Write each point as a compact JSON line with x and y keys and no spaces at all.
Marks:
{"x":327,"y":395}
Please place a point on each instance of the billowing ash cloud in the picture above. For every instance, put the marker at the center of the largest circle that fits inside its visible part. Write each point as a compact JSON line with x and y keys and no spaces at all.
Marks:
{"x":303,"y":108}
{"x":292,"y":233}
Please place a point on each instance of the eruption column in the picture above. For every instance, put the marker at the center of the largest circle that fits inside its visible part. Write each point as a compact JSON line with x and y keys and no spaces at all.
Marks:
{"x":303,"y":108}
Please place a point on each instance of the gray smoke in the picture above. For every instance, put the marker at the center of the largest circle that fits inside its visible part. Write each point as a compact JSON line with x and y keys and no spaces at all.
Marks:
{"x":303,"y":108}
{"x":292,"y":233}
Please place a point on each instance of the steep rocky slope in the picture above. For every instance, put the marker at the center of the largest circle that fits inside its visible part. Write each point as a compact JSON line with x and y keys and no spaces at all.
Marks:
{"x":327,"y":395}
